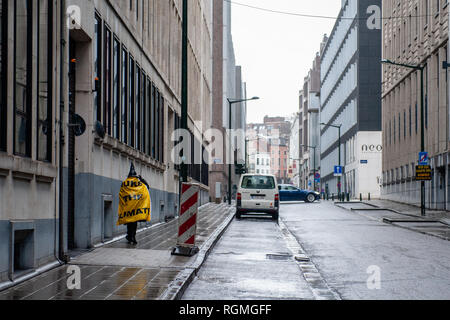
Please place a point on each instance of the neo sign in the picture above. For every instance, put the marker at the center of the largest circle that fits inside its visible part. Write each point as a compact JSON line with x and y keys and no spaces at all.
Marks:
{"x":372,"y":148}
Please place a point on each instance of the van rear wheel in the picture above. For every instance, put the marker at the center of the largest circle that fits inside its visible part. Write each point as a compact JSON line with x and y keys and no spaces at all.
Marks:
{"x":275,"y":216}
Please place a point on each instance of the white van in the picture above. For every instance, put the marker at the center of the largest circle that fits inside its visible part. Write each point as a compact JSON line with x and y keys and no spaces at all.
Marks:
{"x":258,"y":194}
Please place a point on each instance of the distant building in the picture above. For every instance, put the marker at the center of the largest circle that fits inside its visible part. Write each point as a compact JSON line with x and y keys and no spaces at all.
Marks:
{"x":272,"y":137}
{"x":350,"y":96}
{"x":227,"y":84}
{"x":309,"y":125}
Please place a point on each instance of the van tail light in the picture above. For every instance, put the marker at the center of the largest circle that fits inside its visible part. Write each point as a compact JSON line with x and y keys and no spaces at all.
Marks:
{"x":239,"y":200}
{"x":277,"y":197}
{"x":239,"y":196}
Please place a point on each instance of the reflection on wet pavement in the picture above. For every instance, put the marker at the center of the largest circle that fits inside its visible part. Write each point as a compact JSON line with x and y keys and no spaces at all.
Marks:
{"x":97,"y":283}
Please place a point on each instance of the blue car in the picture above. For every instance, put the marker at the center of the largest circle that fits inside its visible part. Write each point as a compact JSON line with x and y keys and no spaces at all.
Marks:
{"x":291,"y":193}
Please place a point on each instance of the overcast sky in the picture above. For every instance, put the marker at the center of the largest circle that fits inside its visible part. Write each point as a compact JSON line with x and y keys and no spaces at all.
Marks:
{"x":276,"y":51}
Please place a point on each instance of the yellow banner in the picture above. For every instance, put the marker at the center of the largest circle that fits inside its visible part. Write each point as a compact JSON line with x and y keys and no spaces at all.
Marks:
{"x":134,"y":202}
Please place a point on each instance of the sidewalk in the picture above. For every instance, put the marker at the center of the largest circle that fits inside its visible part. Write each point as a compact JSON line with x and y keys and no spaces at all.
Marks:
{"x":436,"y":223}
{"x":120,"y":271}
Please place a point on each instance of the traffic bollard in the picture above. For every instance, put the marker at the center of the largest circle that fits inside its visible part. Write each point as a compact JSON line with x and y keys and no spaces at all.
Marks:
{"x":360,"y":197}
{"x":369,"y":196}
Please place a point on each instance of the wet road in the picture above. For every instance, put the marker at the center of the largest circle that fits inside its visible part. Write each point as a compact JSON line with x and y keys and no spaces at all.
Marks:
{"x":357,"y":257}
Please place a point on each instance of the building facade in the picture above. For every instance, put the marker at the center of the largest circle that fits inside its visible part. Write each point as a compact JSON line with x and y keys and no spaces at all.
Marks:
{"x":309,"y":126}
{"x":227,"y":84}
{"x":117,"y":66}
{"x":351,"y":99}
{"x":421,"y":39}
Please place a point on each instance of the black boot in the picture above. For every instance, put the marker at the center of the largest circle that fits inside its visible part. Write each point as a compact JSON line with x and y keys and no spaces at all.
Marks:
{"x":129,"y":239}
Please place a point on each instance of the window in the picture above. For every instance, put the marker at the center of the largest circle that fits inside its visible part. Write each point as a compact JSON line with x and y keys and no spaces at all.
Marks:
{"x":137,"y":113}
{"x":107,"y":81}
{"x":116,"y":89}
{"x":157,"y":101}
{"x":124,"y":89}
{"x":404,"y":124}
{"x":97,"y":67}
{"x":161,"y":130}
{"x":410,"y":122}
{"x":44,"y":85}
{"x":417,"y":118}
{"x":153,"y":122}
{"x":426,"y":96}
{"x":131,"y":105}
{"x":148,"y":118}
{"x":3,"y":59}
{"x":22,"y":76}
{"x":144,"y":113}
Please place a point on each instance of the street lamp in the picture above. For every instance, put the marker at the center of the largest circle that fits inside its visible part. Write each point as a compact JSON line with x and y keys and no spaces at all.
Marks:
{"x":339,"y":142}
{"x":314,"y":149}
{"x":422,"y":123}
{"x":184,"y":85}
{"x":231,"y":102}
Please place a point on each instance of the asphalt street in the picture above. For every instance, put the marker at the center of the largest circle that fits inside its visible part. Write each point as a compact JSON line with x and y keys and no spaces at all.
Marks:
{"x":357,"y":257}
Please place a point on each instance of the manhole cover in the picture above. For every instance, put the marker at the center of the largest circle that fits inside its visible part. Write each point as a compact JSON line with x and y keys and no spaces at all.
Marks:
{"x":283,"y":256}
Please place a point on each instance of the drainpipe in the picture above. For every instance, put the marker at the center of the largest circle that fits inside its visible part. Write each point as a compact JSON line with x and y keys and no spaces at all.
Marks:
{"x":62,"y":254}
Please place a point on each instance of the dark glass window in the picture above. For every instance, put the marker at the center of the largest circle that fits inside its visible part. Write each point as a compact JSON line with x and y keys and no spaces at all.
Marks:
{"x":410,"y":121}
{"x":44,"y":86}
{"x":107,"y":81}
{"x":137,"y":114}
{"x":124,"y":89}
{"x":153,"y":122}
{"x":131,"y":106}
{"x":3,"y":59}
{"x":22,"y":76}
{"x":116,"y":89}
{"x":144,"y":114}
{"x":417,"y":116}
{"x":97,"y":66}
{"x":161,"y":129}
{"x":157,"y":101}
{"x":426,"y":97}
{"x":404,"y":124}
{"x":148,"y":117}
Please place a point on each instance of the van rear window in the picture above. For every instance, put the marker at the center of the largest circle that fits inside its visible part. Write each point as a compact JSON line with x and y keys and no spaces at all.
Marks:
{"x":258,"y":182}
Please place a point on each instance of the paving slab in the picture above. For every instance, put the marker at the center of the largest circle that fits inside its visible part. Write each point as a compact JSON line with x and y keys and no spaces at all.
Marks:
{"x":119,"y":271}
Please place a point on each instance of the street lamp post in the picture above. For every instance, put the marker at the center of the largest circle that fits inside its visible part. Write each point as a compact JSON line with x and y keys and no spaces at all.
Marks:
{"x":422,"y":121}
{"x":184,"y":84}
{"x":314,"y":162}
{"x":230,"y":103}
{"x":339,"y":142}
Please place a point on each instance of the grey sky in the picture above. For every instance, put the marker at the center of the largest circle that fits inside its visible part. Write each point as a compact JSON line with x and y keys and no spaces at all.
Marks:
{"x":276,"y":51}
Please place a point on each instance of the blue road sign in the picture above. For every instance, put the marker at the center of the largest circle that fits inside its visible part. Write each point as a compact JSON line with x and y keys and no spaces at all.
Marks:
{"x":337,"y":171}
{"x":423,"y":158}
{"x":364,"y":161}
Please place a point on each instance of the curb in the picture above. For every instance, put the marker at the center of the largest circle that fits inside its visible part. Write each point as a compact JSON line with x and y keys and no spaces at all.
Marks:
{"x":392,"y":223}
{"x":177,"y":288}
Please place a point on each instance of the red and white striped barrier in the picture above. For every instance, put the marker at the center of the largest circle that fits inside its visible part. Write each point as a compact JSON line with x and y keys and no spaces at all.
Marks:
{"x":187,"y":222}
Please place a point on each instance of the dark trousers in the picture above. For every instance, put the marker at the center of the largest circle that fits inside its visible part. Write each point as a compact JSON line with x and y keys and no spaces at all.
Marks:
{"x":131,"y":230}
